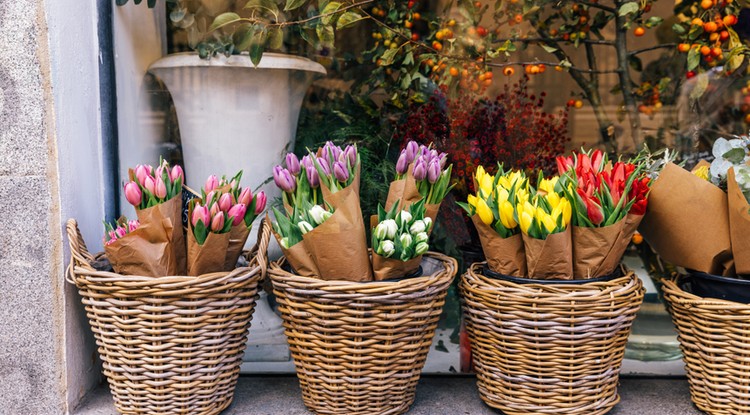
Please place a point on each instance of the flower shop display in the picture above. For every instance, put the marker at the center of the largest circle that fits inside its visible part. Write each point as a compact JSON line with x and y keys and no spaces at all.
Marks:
{"x":173,"y":342}
{"x":353,"y":317}
{"x":549,"y":313}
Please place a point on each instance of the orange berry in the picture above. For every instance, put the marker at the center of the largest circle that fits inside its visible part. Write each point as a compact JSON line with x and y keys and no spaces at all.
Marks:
{"x":747,"y":119}
{"x":578,"y":104}
{"x":518,"y":18}
{"x":558,"y":68}
{"x":729,"y":20}
{"x":637,"y":238}
{"x":714,"y":37}
{"x":477,"y":4}
{"x":683,"y":47}
{"x":415,"y":36}
{"x":487,"y":82}
{"x":482,"y":32}
{"x":408,"y":24}
{"x":471,"y":31}
{"x":453,"y":71}
{"x":437,"y":46}
{"x":697,"y":21}
{"x":716,"y":52}
{"x":508,"y":71}
{"x":416,"y":16}
{"x":724,"y":35}
{"x":571,"y":102}
{"x":542,"y":67}
{"x":710,"y":27}
{"x":439,"y":35}
{"x":639,"y":31}
{"x":705,"y":50}
{"x":488,"y":75}
{"x":583,"y":20}
{"x":707,"y":4}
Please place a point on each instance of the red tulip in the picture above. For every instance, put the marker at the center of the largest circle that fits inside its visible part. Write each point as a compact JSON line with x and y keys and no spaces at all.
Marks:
{"x":594,"y":210}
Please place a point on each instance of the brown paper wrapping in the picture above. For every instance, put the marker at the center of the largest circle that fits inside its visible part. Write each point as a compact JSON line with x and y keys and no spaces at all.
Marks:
{"x":687,"y":222}
{"x":299,"y":258}
{"x":598,"y":251}
{"x":551,"y":258}
{"x":405,"y":192}
{"x":504,"y":255}
{"x":237,"y":238}
{"x":171,"y":210}
{"x":145,"y":251}
{"x":209,"y":257}
{"x":389,"y":268}
{"x":739,"y":225}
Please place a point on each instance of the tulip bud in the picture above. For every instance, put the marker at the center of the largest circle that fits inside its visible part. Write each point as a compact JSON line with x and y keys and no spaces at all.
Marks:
{"x":421,"y":237}
{"x":433,"y":170}
{"x":161,"y":188}
{"x":161,"y":171}
{"x":237,"y":213}
{"x":246,"y":196}
{"x":225,"y":202}
{"x":284,"y":180}
{"x":200,"y":213}
{"x":260,"y":202}
{"x":211,"y":184}
{"x":391,"y":227}
{"x":312,"y":177}
{"x":177,"y":173}
{"x":141,"y":172}
{"x":402,"y":164}
{"x":133,"y":225}
{"x":133,"y":193}
{"x":284,"y":243}
{"x":386,"y":248}
{"x":305,"y":227}
{"x":324,"y":166}
{"x":292,"y":164}
{"x":404,"y":217}
{"x":411,"y":151}
{"x":381,"y":231}
{"x":340,"y":171}
{"x":351,"y":155}
{"x":427,"y":223}
{"x":215,"y":209}
{"x":421,"y":248}
{"x":217,"y":223}
{"x":417,"y":227}
{"x":120,"y":232}
{"x":443,"y":160}
{"x":420,"y":169}
{"x":331,"y":152}
{"x":150,"y":185}
{"x":405,"y":239}
{"x":319,"y":215}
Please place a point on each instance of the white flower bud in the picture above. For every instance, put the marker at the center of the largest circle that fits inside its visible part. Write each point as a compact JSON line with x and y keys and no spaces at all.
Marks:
{"x":406,"y":239}
{"x":390,"y":228}
{"x":305,"y":227}
{"x":421,"y":248}
{"x":427,"y":223}
{"x":421,"y":237}
{"x":404,"y":218}
{"x":284,"y":243}
{"x":386,"y":248}
{"x":319,"y":215}
{"x":417,"y":227}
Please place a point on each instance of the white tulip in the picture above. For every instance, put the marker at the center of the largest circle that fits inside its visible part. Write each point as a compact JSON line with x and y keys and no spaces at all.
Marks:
{"x":305,"y":227}
{"x":417,"y":227}
{"x":422,"y":237}
{"x":404,"y":217}
{"x":319,"y":215}
{"x":386,"y":248}
{"x":406,"y":240}
{"x":421,"y":248}
{"x":427,"y":223}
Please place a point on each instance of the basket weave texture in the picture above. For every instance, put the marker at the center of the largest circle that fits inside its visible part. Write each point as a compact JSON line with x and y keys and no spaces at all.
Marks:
{"x":715,"y":341}
{"x":169,"y":345}
{"x":549,"y":348}
{"x":359,"y":348}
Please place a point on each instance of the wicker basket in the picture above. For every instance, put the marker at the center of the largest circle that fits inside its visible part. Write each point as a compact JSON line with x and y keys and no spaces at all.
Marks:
{"x":359,"y":347}
{"x":170,"y":345}
{"x":549,"y":348}
{"x":715,"y":341}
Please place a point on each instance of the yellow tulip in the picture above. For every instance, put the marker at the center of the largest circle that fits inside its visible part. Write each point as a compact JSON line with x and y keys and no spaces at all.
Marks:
{"x":525,"y":221}
{"x":480,"y":173}
{"x":548,"y":185}
{"x":502,"y":195}
{"x":553,"y":199}
{"x":506,"y":215}
{"x":472,"y":200}
{"x":484,"y":212}
{"x":546,"y":220}
{"x":567,"y":211}
{"x":485,"y":185}
{"x":522,"y":195}
{"x":503,"y":182}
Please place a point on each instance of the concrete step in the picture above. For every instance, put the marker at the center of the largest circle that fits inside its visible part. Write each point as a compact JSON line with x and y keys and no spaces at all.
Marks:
{"x":436,"y":395}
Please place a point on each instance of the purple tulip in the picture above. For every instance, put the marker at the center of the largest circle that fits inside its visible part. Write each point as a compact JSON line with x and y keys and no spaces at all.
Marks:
{"x":403,"y":163}
{"x":284,"y":180}
{"x":412,"y":148}
{"x":237,"y":213}
{"x":292,"y":163}
{"x":443,"y":159}
{"x":351,"y":155}
{"x":340,"y":171}
{"x":433,"y":170}
{"x":260,"y":202}
{"x":420,"y":169}
{"x":312,"y":177}
{"x":331,"y":152}
{"x":246,"y":196}
{"x":133,"y":193}
{"x":324,"y":166}
{"x":211,"y":183}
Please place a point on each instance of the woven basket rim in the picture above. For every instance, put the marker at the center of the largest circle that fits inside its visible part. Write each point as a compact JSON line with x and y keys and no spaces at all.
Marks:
{"x":450,"y":267}
{"x":672,"y":288}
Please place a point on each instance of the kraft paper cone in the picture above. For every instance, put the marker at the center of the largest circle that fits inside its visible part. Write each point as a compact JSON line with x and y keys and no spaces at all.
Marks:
{"x":504,"y":255}
{"x":598,"y":251}
{"x":237,"y":238}
{"x":209,"y":257}
{"x":551,"y":258}
{"x":298,"y":257}
{"x":405,"y":192}
{"x":389,"y":268}
{"x":687,"y":222}
{"x":146,"y":251}
{"x":172,"y":210}
{"x":739,"y":225}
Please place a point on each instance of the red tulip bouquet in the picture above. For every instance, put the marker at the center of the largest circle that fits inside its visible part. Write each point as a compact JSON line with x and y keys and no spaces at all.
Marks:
{"x":135,"y":249}
{"x":220,"y":223}
{"x":156,"y":194}
{"x":608,"y":202}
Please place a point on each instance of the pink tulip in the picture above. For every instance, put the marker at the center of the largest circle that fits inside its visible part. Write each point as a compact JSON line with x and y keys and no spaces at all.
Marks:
{"x":225,"y":202}
{"x":211,"y":183}
{"x":209,"y":198}
{"x":217,"y":223}
{"x":260,"y":202}
{"x":177,"y":173}
{"x":133,"y":225}
{"x":150,"y":185}
{"x":246,"y":196}
{"x":160,"y":188}
{"x":141,"y":172}
{"x":215,"y":209}
{"x":160,"y":173}
{"x":200,"y":214}
{"x":133,"y":193}
{"x":120,"y":231}
{"x":237,"y":212}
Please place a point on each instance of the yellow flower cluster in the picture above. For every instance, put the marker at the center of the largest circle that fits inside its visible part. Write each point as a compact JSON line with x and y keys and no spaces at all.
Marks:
{"x":505,"y":201}
{"x":702,"y":172}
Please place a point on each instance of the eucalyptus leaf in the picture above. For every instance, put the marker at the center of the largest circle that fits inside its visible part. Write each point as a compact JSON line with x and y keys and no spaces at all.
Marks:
{"x":225,"y":19}
{"x":347,"y":19}
{"x":330,"y":8}
{"x":701,"y":84}
{"x":275,"y":38}
{"x":628,"y":8}
{"x":693,"y":58}
{"x":325,"y":35}
{"x":388,"y":56}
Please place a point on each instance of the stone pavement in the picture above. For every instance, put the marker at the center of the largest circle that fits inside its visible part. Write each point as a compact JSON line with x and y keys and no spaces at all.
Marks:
{"x":436,"y":395}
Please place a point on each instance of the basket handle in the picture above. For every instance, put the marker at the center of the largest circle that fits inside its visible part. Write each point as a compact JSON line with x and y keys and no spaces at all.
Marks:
{"x":260,"y":250}
{"x":79,"y":254}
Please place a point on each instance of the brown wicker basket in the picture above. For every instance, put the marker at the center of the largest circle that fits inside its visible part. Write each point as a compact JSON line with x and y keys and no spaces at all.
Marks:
{"x":549,"y":348}
{"x":715,"y":341}
{"x":169,"y":345}
{"x":359,"y":347}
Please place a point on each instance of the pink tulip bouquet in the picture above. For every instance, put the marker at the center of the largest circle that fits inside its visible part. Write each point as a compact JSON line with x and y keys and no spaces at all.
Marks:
{"x":156,"y":194}
{"x":220,"y":223}
{"x":133,"y":248}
